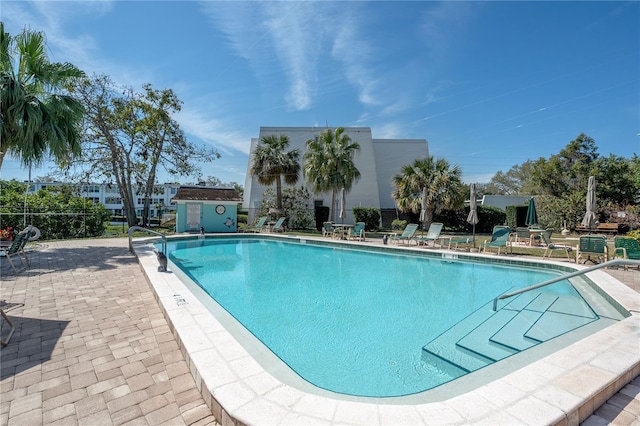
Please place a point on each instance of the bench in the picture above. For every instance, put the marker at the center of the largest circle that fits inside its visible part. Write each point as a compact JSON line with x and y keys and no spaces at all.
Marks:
{"x":607,"y":228}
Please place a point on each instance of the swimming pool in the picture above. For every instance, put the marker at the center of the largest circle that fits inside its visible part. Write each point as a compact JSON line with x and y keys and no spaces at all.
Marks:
{"x":560,"y":384}
{"x":378,"y":323}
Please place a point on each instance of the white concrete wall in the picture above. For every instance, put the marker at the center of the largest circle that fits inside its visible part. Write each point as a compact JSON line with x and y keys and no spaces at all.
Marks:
{"x":391,"y":155}
{"x":377,"y":161}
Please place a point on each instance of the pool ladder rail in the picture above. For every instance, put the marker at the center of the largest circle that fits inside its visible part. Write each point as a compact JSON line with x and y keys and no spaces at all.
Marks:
{"x":151,"y":231}
{"x":613,"y":262}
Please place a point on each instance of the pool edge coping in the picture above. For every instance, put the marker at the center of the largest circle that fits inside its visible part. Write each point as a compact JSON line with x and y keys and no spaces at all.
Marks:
{"x":556,"y":389}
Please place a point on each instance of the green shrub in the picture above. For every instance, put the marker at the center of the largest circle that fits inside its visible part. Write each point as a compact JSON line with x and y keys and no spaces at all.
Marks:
{"x":634,"y":234}
{"x":56,"y":212}
{"x":243,"y":218}
{"x":369,"y":215}
{"x":456,"y":220}
{"x":516,"y":216}
{"x":398,"y":225}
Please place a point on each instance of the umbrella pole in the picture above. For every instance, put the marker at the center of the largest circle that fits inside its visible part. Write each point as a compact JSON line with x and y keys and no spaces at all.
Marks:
{"x":474,"y":235}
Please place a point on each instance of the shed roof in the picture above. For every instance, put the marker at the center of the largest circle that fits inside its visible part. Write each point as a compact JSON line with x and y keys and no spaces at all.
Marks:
{"x":206,"y":193}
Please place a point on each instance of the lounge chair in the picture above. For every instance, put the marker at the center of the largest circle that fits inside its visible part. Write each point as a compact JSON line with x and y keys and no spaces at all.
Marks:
{"x":499,"y":239}
{"x":407,"y":235}
{"x":357,"y":232}
{"x":433,"y":234}
{"x":17,"y":249}
{"x":592,"y":245}
{"x":522,"y":235}
{"x":279,"y":225}
{"x":550,"y":247}
{"x":258,"y":226}
{"x":328,"y":230}
{"x":626,"y":248}
{"x":456,"y":241}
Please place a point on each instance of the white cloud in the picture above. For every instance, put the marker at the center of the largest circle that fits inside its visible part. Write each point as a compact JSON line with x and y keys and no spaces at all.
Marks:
{"x":298,"y":34}
{"x":388,"y":131}
{"x":211,"y":131}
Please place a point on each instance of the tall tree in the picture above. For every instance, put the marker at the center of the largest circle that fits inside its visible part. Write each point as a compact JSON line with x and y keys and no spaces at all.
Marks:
{"x":445,"y":190}
{"x":516,"y":181}
{"x":329,"y":164}
{"x":566,"y":171}
{"x":129,"y":135}
{"x":615,"y":179}
{"x":37,"y":117}
{"x":270,"y":162}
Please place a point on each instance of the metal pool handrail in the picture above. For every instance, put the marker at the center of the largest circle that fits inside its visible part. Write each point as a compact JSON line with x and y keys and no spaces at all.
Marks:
{"x":140,"y":228}
{"x":564,"y":277}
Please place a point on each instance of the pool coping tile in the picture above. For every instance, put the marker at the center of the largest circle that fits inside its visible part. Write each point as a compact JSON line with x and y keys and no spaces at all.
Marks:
{"x":556,"y":389}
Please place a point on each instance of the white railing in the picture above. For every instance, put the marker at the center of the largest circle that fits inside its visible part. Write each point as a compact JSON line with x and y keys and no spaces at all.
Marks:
{"x":613,"y":262}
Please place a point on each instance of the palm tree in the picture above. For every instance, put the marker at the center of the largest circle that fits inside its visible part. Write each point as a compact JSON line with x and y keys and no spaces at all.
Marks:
{"x":445,"y":189}
{"x":329,"y":163}
{"x":270,"y":162}
{"x":37,"y":118}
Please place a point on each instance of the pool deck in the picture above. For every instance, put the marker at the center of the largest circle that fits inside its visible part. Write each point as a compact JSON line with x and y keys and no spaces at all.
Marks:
{"x":96,"y":345}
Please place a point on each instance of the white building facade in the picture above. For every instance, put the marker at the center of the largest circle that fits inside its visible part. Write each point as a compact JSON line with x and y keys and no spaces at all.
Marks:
{"x":109,"y":196}
{"x":378,"y":161}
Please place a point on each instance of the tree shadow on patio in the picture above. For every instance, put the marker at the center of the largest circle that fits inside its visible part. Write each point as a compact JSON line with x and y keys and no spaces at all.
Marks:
{"x":32,"y":343}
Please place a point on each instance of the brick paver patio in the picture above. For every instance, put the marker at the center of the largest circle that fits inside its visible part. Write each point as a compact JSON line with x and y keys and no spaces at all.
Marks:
{"x":92,"y":347}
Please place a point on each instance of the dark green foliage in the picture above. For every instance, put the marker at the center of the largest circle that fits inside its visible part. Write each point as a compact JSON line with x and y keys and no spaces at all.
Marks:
{"x":369,"y":215}
{"x":456,"y":220}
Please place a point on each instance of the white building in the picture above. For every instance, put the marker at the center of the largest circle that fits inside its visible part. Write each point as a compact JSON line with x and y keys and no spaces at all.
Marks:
{"x":109,"y":196}
{"x":378,"y":161}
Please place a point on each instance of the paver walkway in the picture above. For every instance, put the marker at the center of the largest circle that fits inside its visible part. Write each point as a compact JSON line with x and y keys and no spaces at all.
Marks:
{"x":92,"y":347}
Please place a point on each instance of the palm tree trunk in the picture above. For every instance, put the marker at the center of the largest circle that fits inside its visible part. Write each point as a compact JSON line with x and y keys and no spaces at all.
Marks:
{"x":333,"y":205}
{"x":279,"y":192}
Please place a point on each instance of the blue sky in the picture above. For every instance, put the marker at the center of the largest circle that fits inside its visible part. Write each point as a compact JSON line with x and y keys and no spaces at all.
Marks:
{"x":488,"y":84}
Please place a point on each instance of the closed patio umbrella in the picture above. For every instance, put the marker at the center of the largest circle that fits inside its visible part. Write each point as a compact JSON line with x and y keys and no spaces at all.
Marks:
{"x":590,"y":219}
{"x":473,"y":211}
{"x":423,"y":207}
{"x":532,"y":214}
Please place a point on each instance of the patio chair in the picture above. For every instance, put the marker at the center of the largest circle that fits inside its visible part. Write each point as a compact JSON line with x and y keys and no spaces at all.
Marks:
{"x":258,"y":225}
{"x":499,"y":239}
{"x":407,"y":235}
{"x":550,"y":247}
{"x":17,"y":249}
{"x":357,"y":232}
{"x":592,"y":245}
{"x":433,"y":234}
{"x":279,"y":225}
{"x":328,"y":230}
{"x":626,"y":248}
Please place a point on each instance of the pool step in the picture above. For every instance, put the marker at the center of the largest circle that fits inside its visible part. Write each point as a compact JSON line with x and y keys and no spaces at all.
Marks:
{"x":514,"y":333}
{"x":486,"y":336}
{"x":443,"y":352}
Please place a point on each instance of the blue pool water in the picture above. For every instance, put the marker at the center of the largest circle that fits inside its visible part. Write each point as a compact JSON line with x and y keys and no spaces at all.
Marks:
{"x":349,"y":321}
